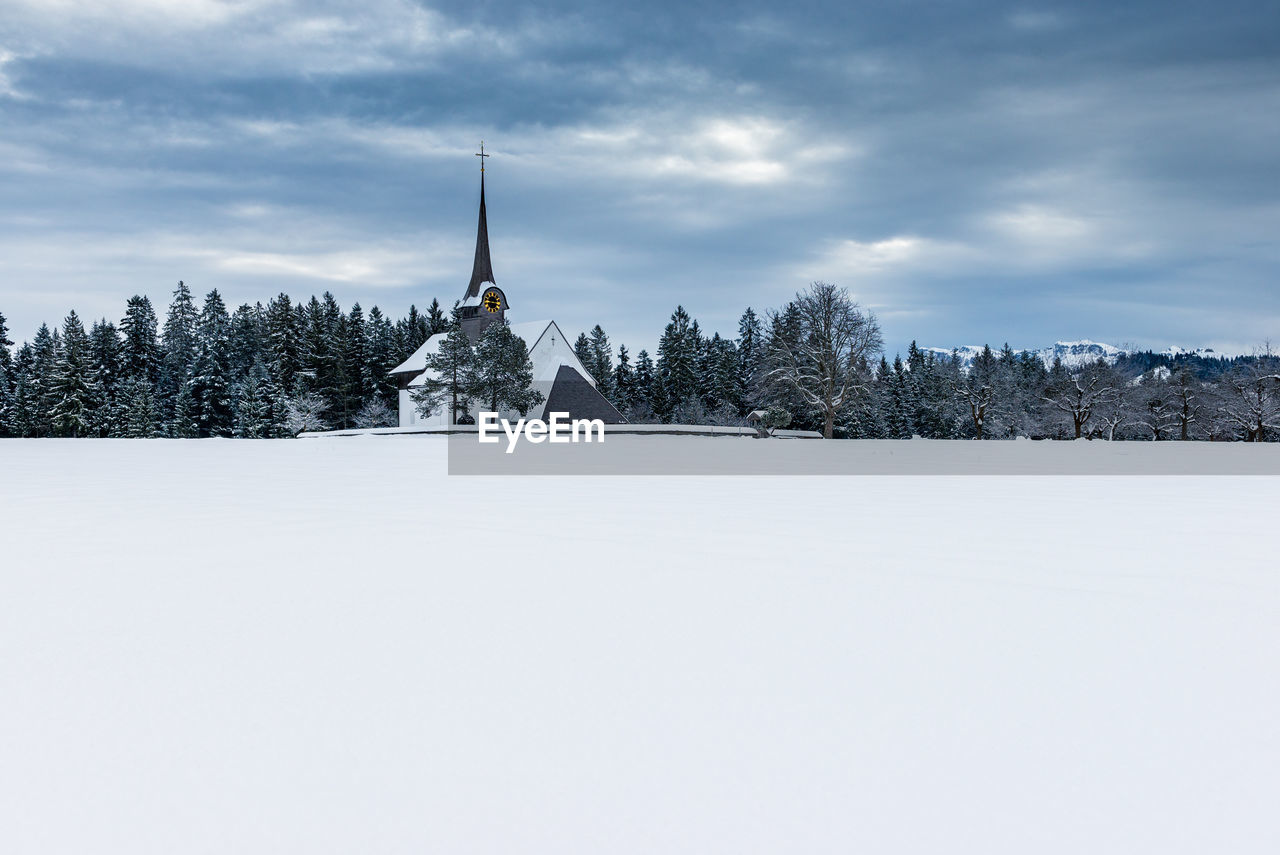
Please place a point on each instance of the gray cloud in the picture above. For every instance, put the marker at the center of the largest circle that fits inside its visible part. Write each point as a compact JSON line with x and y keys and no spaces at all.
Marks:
{"x":974,"y":172}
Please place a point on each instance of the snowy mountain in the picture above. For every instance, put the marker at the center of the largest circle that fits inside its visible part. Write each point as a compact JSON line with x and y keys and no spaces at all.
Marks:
{"x":1075,"y":354}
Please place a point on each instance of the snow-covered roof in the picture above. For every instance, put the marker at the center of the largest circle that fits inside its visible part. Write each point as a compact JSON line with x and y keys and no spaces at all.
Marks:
{"x":417,"y":363}
{"x":546,"y":363}
{"x":531,"y":331}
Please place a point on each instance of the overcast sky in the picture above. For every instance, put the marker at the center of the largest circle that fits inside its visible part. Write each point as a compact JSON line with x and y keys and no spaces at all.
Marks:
{"x":973,"y":172}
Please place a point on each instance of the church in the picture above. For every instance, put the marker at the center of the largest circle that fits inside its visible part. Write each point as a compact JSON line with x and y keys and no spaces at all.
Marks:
{"x":565,"y":383}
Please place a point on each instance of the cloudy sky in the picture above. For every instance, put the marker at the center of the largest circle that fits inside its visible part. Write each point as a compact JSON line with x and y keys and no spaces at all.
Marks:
{"x":973,"y":172}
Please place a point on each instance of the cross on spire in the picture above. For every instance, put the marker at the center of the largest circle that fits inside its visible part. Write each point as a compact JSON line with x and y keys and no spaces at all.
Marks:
{"x":480,"y":154}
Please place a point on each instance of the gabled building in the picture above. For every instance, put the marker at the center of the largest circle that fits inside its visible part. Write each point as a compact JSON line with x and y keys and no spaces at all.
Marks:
{"x":564,"y":381}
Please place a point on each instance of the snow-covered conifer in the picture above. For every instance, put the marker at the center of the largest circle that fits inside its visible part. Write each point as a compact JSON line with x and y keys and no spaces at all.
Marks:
{"x":624,"y":379}
{"x":751,"y":354}
{"x":600,"y":353}
{"x":141,"y":348}
{"x":140,"y":417}
{"x":70,"y":392}
{"x":678,"y":350}
{"x":179,"y":347}
{"x":447,"y":378}
{"x":501,"y":376}
{"x":283,"y":341}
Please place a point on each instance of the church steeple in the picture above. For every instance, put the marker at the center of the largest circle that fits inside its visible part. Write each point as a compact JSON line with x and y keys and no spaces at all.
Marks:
{"x":484,"y":302}
{"x":482,"y":269}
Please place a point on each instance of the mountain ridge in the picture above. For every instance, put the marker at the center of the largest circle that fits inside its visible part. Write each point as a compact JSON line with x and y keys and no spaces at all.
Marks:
{"x":1076,"y":354}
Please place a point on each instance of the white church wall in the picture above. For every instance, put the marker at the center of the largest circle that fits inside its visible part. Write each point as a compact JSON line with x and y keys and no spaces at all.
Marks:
{"x":548,"y":350}
{"x":409,"y":416}
{"x":552,"y":351}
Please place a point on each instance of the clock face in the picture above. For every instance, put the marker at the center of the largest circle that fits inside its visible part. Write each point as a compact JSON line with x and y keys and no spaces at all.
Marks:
{"x":491,"y":301}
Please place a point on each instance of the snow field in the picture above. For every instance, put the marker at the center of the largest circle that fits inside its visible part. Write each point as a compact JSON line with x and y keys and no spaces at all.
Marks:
{"x":331,"y":646}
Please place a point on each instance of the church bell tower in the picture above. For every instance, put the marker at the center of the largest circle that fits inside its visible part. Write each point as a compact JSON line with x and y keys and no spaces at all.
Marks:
{"x":484,"y":301}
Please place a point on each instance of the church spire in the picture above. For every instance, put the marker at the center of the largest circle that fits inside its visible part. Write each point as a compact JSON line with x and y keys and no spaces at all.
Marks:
{"x":482,"y":269}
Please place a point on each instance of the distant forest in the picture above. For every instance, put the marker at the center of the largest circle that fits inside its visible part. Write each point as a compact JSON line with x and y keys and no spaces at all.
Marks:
{"x":271,"y":370}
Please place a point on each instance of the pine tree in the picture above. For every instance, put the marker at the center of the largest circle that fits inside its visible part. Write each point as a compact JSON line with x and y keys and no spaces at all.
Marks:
{"x":324,"y":372}
{"x":415,"y":330}
{"x":283,"y":341}
{"x":106,"y":369}
{"x":379,"y":353}
{"x":343,"y":405}
{"x":6,"y":360}
{"x":751,"y":356}
{"x":141,"y":349}
{"x":178,"y":352}
{"x":898,"y":403}
{"x":447,"y":377}
{"x":660,"y":401}
{"x":582,"y":350}
{"x":210,"y":385}
{"x":8,"y":415}
{"x":37,"y":400}
{"x":705,"y":362}
{"x":677,"y":358}
{"x":501,"y":377}
{"x":140,"y":417}
{"x":278,"y":408}
{"x":436,"y":321}
{"x":253,"y":416}
{"x":26,"y":398}
{"x":601,"y":364}
{"x":70,"y":393}
{"x":245,"y":340}
{"x":642,"y":392}
{"x":624,"y":380}
{"x":359,"y":385}
{"x":724,"y":366}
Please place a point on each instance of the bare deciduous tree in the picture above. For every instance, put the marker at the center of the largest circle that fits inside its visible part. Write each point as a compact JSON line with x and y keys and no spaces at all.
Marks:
{"x":1081,"y":395}
{"x":376,"y":414}
{"x":1157,"y":408}
{"x":978,"y":397}
{"x":305,"y":412}
{"x":1252,"y":400}
{"x":1187,"y":403}
{"x":825,"y":360}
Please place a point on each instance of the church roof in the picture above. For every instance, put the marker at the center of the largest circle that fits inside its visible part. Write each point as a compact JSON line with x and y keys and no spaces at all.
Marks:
{"x":572,"y":394}
{"x":482,"y":268}
{"x":417,"y":362}
{"x":530,"y":331}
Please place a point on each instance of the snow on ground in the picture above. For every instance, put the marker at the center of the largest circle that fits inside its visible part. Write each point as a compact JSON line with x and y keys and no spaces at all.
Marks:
{"x":328,"y":646}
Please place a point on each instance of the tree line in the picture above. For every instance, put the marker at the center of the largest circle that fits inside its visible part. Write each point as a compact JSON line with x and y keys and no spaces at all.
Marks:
{"x":258,"y":372}
{"x":816,"y":363}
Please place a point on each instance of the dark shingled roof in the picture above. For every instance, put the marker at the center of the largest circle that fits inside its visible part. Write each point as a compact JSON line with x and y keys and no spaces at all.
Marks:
{"x":482,"y":270}
{"x":572,"y":394}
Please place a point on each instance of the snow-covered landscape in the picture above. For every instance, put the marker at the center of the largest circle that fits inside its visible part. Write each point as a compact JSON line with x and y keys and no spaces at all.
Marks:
{"x":331,"y":646}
